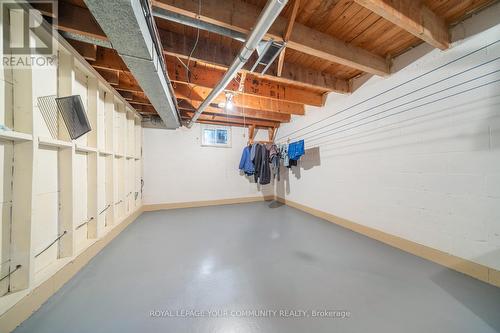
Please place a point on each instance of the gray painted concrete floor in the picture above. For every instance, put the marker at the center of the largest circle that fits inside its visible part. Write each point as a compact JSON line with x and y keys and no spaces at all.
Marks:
{"x":261,"y":256}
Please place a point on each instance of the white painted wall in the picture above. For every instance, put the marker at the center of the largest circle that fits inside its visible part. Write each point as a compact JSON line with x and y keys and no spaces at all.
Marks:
{"x":430,"y":174}
{"x":178,"y":169}
{"x":49,"y":183}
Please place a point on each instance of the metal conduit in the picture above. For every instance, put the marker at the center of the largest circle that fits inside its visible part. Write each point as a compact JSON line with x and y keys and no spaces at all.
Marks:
{"x":198,"y":24}
{"x":264,"y":22}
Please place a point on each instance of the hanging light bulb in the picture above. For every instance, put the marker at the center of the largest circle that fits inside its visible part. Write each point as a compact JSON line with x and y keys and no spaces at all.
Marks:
{"x":229,"y":101}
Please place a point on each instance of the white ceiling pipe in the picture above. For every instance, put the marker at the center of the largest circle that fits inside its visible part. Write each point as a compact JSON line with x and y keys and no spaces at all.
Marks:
{"x":264,"y":22}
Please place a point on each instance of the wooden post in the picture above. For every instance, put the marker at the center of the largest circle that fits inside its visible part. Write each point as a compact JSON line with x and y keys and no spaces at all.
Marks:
{"x":24,"y":160}
{"x":66,"y":164}
{"x":92,"y":183}
{"x":271,"y":131}
{"x":109,"y":107}
{"x":251,"y":133}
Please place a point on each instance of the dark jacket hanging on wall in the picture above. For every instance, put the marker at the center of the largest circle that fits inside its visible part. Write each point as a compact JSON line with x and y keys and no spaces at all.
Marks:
{"x":265,"y":171}
{"x":262,"y":173}
{"x":257,"y":161}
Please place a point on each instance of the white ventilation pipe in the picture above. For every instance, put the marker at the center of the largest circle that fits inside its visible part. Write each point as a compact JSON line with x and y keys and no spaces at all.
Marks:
{"x":264,"y":22}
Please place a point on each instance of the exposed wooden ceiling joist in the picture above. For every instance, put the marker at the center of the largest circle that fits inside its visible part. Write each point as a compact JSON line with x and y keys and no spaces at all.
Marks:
{"x":110,"y":75}
{"x":243,"y":113}
{"x":209,"y":76}
{"x":135,"y":97}
{"x":213,"y":53}
{"x":109,"y":59}
{"x":87,"y":51}
{"x":196,"y":93}
{"x":230,"y":120}
{"x":331,"y":42}
{"x":144,"y":109}
{"x":413,"y":16}
{"x":79,"y":20}
{"x":128,"y":95}
{"x":222,"y":123}
{"x":240,"y":16}
{"x":126,"y":82}
{"x":235,"y":111}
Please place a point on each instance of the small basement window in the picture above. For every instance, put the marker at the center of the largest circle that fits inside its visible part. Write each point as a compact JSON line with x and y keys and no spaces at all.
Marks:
{"x":215,"y":136}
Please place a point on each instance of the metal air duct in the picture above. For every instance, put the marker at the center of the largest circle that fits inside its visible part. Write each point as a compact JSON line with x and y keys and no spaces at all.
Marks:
{"x":130,"y":28}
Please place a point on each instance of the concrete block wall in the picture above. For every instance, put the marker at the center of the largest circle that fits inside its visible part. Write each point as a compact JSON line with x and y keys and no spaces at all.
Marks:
{"x":178,"y":169}
{"x":417,"y":154}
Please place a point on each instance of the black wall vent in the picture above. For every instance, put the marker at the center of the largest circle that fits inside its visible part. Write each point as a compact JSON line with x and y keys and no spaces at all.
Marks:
{"x":74,"y":115}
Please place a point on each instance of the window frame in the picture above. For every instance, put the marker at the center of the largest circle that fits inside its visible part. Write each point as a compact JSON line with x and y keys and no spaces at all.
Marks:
{"x":228,"y":144}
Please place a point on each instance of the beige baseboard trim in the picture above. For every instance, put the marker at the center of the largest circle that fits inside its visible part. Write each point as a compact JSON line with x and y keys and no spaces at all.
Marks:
{"x":205,"y":203}
{"x":475,"y":270}
{"x":23,"y":309}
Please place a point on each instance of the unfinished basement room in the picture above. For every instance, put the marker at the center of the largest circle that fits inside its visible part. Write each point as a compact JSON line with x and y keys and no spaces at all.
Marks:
{"x":250,"y":166}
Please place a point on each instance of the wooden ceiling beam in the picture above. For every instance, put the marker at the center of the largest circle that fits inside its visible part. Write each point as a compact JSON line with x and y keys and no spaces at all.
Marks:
{"x":209,"y":76}
{"x":45,"y":8}
{"x":226,"y":124}
{"x":87,"y":51}
{"x":235,"y":111}
{"x":242,"y":113}
{"x":137,"y":100}
{"x":127,"y":85}
{"x":127,"y":95}
{"x":240,"y":16}
{"x":215,"y":54}
{"x":127,"y":82}
{"x":286,"y":35}
{"x":110,"y":75}
{"x":219,"y":112}
{"x":109,"y":59}
{"x":413,"y":16}
{"x":135,"y":97}
{"x":79,"y":20}
{"x":230,"y":120}
{"x":144,"y":109}
{"x":196,"y":93}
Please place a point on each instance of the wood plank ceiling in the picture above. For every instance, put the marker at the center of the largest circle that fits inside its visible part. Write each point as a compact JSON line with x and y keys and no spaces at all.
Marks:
{"x":329,"y":42}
